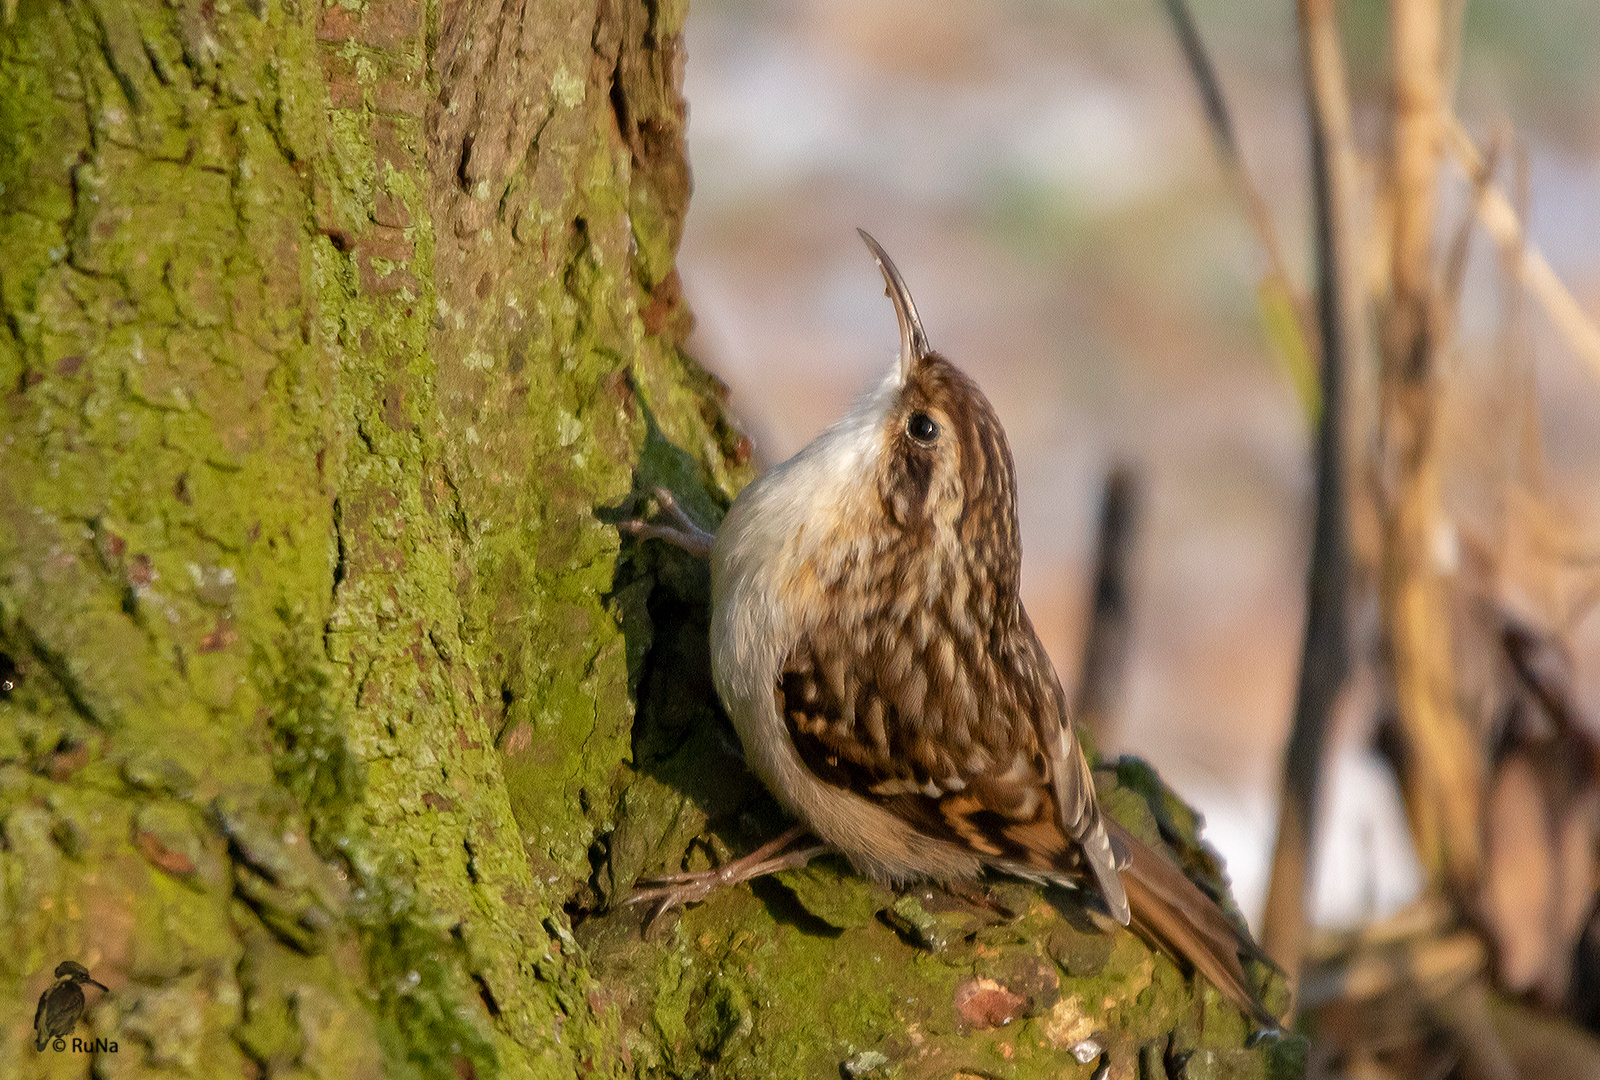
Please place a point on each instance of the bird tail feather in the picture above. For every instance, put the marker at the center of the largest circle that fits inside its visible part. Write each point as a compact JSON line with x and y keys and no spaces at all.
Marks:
{"x":1170,"y":909}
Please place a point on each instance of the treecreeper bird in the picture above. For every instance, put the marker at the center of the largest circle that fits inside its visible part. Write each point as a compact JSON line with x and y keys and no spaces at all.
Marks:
{"x":869,"y":643}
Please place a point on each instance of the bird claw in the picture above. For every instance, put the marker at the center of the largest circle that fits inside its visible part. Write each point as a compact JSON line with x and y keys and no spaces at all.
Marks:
{"x":685,"y":534}
{"x":981,"y":899}
{"x":666,"y":894}
{"x":667,"y":880}
{"x":675,"y":890}
{"x":678,"y":890}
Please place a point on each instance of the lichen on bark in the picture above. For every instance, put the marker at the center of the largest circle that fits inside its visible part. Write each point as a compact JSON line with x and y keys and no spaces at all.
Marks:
{"x":335,"y":723}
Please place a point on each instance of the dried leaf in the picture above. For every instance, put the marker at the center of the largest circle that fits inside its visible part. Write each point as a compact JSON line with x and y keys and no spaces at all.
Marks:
{"x":1519,"y":874}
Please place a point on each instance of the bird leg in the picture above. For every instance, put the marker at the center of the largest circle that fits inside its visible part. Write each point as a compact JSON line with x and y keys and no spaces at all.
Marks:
{"x":670,"y":890}
{"x":980,"y":898}
{"x":685,"y":534}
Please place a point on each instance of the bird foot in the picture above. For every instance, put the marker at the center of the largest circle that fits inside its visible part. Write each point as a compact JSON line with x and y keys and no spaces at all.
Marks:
{"x":684,"y":534}
{"x":672,"y":890}
{"x":981,"y":899}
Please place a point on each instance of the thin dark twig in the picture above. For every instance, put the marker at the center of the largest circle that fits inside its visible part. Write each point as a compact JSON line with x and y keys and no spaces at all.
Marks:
{"x":1219,"y":118}
{"x":1205,"y":78}
{"x":1325,"y":660}
{"x":1105,"y":649}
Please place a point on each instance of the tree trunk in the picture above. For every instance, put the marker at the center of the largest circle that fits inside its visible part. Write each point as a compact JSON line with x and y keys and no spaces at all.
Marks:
{"x":335,"y":721}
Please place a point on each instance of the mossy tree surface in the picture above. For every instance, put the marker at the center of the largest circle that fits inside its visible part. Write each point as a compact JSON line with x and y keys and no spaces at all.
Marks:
{"x":332,"y":338}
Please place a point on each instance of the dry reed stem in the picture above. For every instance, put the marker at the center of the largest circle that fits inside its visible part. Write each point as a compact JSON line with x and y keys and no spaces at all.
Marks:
{"x":1532,"y":269}
{"x":1455,"y":263}
{"x":1442,"y":764}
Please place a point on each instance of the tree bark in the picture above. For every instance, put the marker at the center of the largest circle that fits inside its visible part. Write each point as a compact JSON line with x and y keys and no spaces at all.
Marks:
{"x":334,"y":722}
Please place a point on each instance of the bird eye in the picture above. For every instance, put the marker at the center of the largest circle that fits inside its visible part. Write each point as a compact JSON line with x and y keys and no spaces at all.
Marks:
{"x":922,"y":427}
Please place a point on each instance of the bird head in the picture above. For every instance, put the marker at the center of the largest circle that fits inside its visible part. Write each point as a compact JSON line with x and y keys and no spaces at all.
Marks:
{"x":943,"y":468}
{"x":72,"y":971}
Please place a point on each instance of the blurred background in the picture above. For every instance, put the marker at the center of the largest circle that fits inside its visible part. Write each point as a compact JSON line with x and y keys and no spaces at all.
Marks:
{"x":1042,"y":174}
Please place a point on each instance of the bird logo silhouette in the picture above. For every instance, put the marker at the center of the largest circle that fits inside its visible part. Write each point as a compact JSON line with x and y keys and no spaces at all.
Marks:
{"x":61,"y":1005}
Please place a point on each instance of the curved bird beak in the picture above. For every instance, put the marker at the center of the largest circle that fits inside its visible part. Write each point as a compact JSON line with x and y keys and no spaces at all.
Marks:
{"x":913,"y":342}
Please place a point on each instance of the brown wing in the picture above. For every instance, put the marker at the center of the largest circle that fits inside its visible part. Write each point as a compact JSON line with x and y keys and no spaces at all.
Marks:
{"x":997,"y":771}
{"x":963,"y":737}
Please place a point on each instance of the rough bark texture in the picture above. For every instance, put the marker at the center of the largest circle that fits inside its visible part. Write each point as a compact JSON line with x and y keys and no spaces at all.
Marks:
{"x":333,"y":719}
